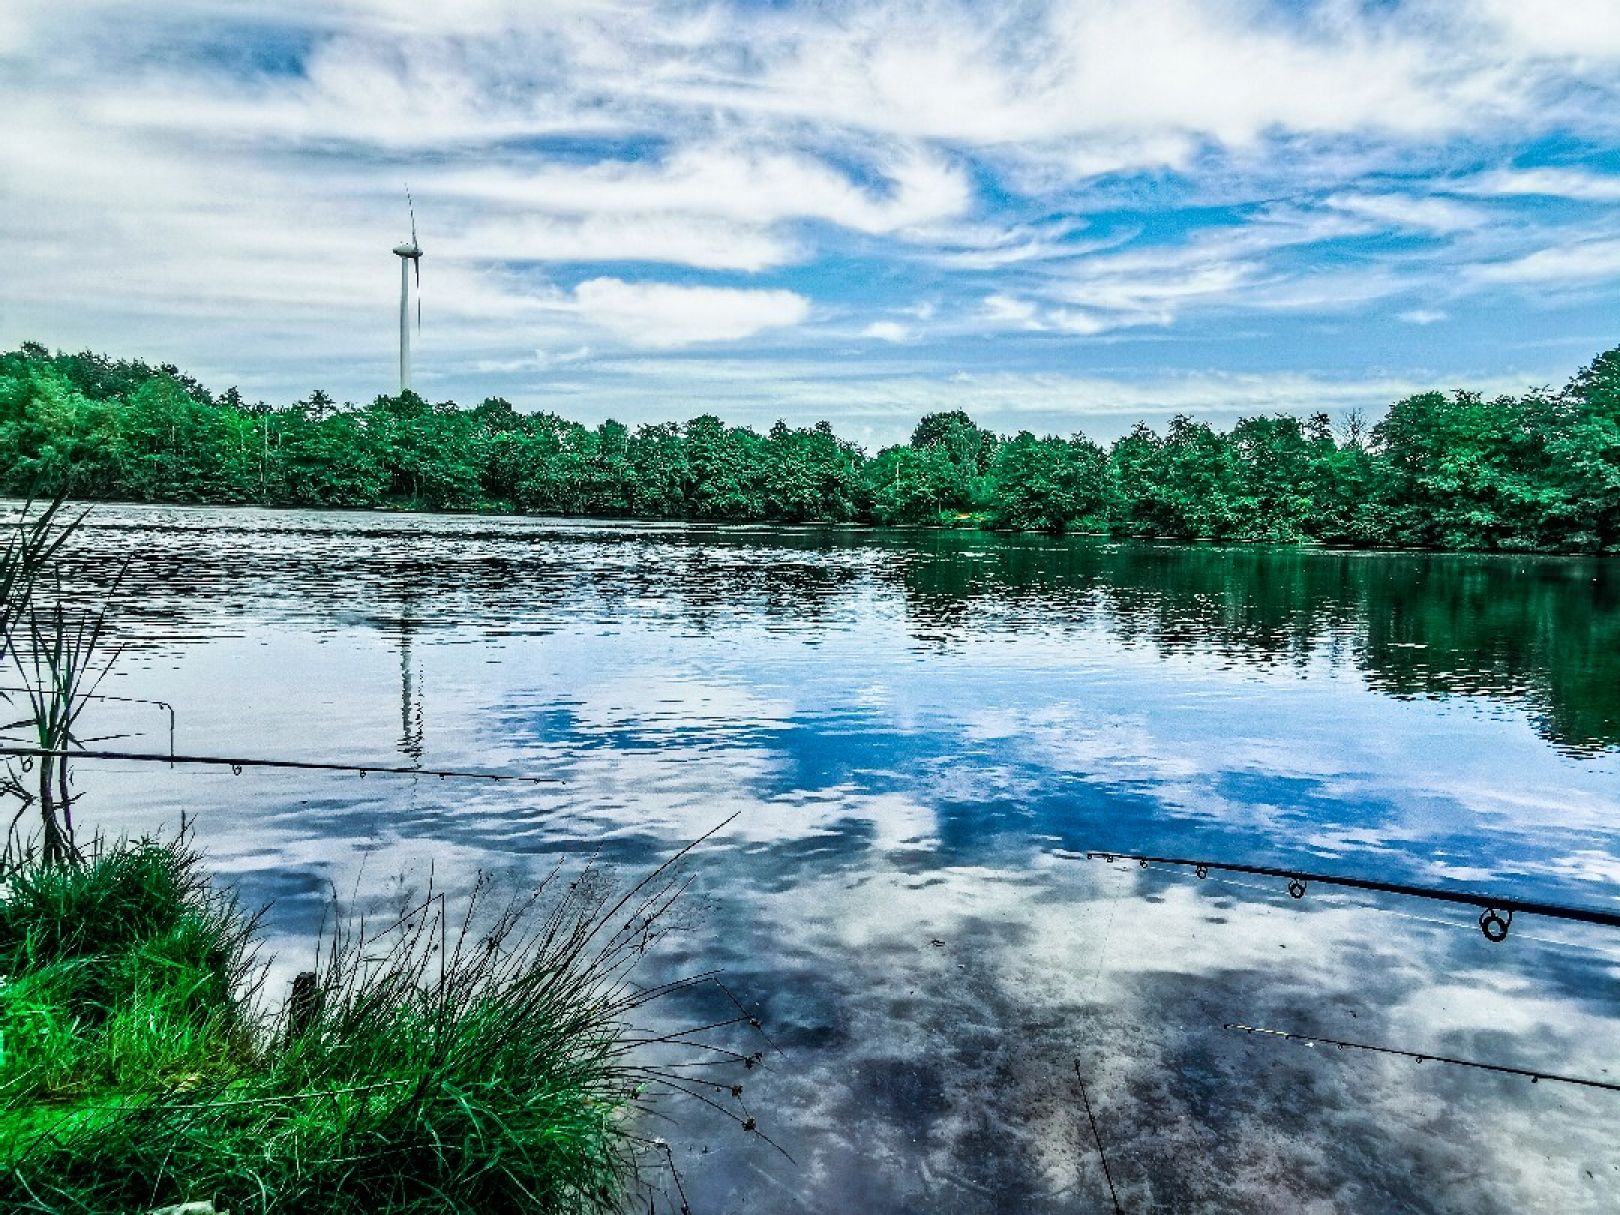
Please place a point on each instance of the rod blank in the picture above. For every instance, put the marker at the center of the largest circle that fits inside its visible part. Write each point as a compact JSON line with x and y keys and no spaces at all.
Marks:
{"x":1311,"y":1039}
{"x":1488,"y":902}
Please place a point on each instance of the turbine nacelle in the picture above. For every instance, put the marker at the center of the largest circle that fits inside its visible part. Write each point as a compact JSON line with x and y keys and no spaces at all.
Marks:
{"x":411,"y":251}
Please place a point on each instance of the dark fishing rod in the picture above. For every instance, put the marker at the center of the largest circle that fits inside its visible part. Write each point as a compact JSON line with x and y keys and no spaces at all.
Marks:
{"x":1108,"y":1174}
{"x":236,"y":764}
{"x":128,"y":700}
{"x":1534,"y":1076}
{"x":1494,"y":921}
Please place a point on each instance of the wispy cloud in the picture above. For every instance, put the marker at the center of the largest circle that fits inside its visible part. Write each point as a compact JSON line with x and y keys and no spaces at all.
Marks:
{"x":1403,"y":211}
{"x":220,"y":185}
{"x":887,"y":331}
{"x":752,"y":187}
{"x":661,"y":314}
{"x":1422,"y":316}
{"x":1551,"y":182}
{"x":1581,"y":263}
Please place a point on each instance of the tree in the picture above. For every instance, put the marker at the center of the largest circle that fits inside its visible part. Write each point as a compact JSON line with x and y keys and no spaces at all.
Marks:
{"x":660,"y":476}
{"x":1047,"y":484}
{"x":1586,"y":454}
{"x":725,"y":471}
{"x":1458,"y":471}
{"x":1272,"y":463}
{"x":959,"y":436}
{"x":1539,"y":471}
{"x":916,"y":485}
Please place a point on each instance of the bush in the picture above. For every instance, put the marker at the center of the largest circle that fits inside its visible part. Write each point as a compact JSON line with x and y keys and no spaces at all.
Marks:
{"x":434,"y":1067}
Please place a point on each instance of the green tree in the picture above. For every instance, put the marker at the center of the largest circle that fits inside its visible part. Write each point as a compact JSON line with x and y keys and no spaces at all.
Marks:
{"x":660,"y":475}
{"x":1534,"y":472}
{"x":1272,"y":463}
{"x":1047,"y":484}
{"x":1458,"y":471}
{"x":1586,"y":455}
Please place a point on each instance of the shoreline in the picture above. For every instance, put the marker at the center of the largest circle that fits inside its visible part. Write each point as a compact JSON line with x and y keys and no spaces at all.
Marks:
{"x":832,"y":526}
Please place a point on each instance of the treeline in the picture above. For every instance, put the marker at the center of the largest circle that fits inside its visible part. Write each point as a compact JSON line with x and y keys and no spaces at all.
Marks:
{"x":1538,"y":472}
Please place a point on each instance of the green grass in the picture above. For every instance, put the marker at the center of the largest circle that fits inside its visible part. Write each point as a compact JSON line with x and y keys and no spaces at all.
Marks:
{"x":444,"y":1067}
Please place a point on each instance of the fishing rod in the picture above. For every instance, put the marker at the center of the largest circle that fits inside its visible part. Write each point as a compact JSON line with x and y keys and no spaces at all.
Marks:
{"x":1108,"y":1174}
{"x":1311,"y":1040}
{"x":129,"y":700}
{"x":1494,"y":921}
{"x":236,"y":765}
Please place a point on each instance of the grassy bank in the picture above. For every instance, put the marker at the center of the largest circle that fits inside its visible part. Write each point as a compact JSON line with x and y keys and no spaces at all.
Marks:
{"x":433,"y":1067}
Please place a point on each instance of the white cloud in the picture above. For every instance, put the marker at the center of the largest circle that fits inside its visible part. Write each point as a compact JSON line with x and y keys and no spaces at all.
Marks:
{"x":1581,"y":29}
{"x":672,"y":239}
{"x":751,"y":187}
{"x":540,"y":360}
{"x":887,"y":331}
{"x":665,"y":314}
{"x":1089,"y":322}
{"x":1555,"y":183}
{"x":1150,"y":284}
{"x":1121,"y":69}
{"x":1148,"y":287}
{"x":13,"y":29}
{"x":1224,"y":267}
{"x":1422,"y":316}
{"x":1584,"y":262}
{"x":1406,"y":211}
{"x":1006,"y":310}
{"x":991,"y":247}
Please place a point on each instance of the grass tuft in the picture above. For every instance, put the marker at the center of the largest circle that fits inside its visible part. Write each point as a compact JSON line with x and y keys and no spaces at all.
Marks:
{"x":475,"y":1064}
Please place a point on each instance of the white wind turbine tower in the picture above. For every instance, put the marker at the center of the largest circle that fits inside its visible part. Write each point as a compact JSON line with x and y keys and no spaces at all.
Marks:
{"x":410,"y":257}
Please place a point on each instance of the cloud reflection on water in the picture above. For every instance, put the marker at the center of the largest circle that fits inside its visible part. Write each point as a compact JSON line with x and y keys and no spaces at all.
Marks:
{"x":914,"y":733}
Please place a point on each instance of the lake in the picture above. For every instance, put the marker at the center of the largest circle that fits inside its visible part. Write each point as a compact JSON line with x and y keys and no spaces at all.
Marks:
{"x":920,"y":734}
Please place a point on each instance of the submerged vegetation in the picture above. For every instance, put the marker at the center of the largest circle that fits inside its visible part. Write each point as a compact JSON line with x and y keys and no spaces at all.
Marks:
{"x":1538,"y":472}
{"x":490,"y":1074}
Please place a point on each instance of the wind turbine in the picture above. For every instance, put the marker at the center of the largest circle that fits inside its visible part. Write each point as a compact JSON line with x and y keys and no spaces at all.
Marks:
{"x":410,"y":257}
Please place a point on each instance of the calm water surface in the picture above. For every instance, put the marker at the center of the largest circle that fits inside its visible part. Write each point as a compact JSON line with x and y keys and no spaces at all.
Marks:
{"x":919,"y":734}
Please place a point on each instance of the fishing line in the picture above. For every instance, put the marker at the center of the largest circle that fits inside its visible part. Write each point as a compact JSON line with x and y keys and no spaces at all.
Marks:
{"x":1420,"y":1057}
{"x":237,"y":764}
{"x":1524,"y":936}
{"x":1535,"y":1076}
{"x":1091,"y":997}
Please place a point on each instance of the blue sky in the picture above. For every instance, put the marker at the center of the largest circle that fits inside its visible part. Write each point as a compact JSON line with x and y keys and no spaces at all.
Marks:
{"x":1062,"y":215}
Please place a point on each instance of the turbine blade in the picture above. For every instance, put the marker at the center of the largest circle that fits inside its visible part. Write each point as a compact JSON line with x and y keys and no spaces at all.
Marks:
{"x":411,"y":203}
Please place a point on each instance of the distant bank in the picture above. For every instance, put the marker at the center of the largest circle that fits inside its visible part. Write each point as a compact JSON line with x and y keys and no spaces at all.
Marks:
{"x":1533,"y":473}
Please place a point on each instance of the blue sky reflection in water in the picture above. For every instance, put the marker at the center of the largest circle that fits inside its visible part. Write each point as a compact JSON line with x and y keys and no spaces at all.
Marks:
{"x":918,"y":732}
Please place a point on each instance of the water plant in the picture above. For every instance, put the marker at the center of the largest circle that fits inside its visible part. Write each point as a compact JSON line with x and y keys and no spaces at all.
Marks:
{"x":55,"y":652}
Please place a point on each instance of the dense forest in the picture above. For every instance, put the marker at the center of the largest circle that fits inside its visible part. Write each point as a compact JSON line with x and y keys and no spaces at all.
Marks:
{"x":1538,"y":472}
